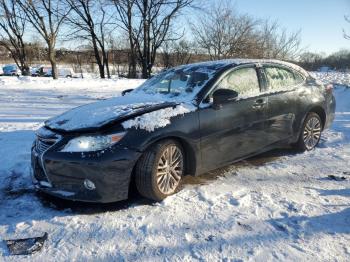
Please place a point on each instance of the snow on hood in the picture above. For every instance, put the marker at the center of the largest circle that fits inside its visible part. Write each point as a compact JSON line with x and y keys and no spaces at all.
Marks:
{"x":159,"y":118}
{"x":98,"y":114}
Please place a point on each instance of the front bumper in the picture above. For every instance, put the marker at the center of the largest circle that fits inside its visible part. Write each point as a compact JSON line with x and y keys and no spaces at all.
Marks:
{"x":63,"y":174}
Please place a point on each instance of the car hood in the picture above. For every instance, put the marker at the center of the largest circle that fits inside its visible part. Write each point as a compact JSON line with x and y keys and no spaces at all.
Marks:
{"x":93,"y":117}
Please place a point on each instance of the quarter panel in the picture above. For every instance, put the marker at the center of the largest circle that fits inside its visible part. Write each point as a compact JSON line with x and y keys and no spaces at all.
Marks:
{"x":282,"y":110}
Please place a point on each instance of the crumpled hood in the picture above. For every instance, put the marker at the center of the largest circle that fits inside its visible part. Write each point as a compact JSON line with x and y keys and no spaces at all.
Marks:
{"x":94,"y":116}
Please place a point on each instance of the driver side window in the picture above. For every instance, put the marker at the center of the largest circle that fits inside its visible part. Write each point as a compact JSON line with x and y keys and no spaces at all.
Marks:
{"x":244,"y":81}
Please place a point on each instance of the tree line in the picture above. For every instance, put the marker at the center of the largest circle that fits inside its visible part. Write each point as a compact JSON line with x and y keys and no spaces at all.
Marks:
{"x":150,"y":31}
{"x":337,"y":61}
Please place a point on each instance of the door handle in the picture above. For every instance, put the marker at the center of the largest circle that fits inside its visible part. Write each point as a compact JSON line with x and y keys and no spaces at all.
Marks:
{"x":260,"y":103}
{"x":303,"y":93}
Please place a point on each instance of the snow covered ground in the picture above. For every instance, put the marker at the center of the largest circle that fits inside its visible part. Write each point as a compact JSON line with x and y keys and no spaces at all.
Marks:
{"x":279,"y":206}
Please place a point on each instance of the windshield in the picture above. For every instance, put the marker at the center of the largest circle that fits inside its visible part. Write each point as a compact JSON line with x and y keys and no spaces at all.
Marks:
{"x":184,"y":81}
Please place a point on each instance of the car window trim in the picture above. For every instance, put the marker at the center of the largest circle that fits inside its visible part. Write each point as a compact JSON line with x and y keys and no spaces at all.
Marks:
{"x":262,"y":79}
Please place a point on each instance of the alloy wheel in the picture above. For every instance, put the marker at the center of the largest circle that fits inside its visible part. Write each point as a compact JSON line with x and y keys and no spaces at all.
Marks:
{"x":312,"y":133}
{"x":170,"y":169}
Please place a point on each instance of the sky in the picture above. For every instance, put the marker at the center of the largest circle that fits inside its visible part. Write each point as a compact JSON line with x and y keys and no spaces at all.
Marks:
{"x":321,"y":21}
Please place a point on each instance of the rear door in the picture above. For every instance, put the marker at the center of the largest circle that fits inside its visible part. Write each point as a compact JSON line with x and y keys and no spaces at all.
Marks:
{"x":237,"y":128}
{"x":282,"y":85}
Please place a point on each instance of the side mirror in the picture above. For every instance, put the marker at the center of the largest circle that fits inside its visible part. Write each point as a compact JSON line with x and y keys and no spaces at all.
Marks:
{"x":126,"y":91}
{"x":223,"y":96}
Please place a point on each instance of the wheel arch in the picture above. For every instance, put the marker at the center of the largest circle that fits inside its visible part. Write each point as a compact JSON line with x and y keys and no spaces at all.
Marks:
{"x":189,"y":152}
{"x":190,"y":158}
{"x":318,"y":109}
{"x":321,"y":112}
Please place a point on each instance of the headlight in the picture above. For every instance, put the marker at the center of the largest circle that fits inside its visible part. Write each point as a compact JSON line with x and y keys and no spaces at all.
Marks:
{"x":92,"y":143}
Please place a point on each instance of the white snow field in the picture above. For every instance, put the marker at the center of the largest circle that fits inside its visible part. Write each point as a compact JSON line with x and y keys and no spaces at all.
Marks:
{"x":280,"y":206}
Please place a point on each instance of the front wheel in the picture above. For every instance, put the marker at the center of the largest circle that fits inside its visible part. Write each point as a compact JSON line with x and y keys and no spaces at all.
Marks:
{"x":159,"y":171}
{"x":311,"y":132}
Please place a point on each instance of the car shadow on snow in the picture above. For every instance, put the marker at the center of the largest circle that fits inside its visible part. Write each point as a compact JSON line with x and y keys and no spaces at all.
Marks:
{"x":243,"y":235}
{"x":289,"y":228}
{"x":330,"y":223}
{"x":335,"y":192}
{"x":216,"y":239}
{"x":345,"y":192}
{"x":86,"y":208}
{"x":256,"y":161}
{"x":297,"y":226}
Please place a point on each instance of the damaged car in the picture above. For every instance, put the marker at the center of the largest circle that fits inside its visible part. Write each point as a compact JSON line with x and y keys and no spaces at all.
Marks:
{"x":186,"y":120}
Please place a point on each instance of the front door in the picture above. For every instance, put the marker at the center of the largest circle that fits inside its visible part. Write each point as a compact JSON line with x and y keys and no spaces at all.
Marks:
{"x":237,"y":128}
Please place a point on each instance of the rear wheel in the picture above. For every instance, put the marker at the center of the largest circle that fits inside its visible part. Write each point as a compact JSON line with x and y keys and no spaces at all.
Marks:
{"x":311,"y":132}
{"x":159,"y":171}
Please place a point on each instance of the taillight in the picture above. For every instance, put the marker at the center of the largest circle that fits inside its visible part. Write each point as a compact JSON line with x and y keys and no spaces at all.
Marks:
{"x":329,"y":88}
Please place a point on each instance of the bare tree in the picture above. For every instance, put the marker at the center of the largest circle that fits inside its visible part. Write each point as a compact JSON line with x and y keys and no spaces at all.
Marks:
{"x":36,"y":50}
{"x":176,"y":53}
{"x":156,"y":21}
{"x":118,"y":53}
{"x":275,"y":42}
{"x":166,"y":55}
{"x":222,"y":33}
{"x":13,"y":25}
{"x":148,"y":24}
{"x":92,"y":21}
{"x":182,"y":52}
{"x":46,"y":17}
{"x":346,"y":35}
{"x":125,"y":18}
{"x":80,"y":58}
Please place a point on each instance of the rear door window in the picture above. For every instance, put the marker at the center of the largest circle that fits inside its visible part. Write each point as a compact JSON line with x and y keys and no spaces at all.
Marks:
{"x":280,"y":78}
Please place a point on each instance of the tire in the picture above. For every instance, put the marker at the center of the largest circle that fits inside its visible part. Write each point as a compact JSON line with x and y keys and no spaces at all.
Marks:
{"x":310,"y":134}
{"x":154,"y":177}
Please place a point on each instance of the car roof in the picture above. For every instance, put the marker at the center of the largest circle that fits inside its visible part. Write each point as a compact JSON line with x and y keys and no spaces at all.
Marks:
{"x":235,"y":62}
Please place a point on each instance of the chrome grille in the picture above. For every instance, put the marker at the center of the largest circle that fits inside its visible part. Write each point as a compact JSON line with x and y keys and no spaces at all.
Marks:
{"x":42,"y":144}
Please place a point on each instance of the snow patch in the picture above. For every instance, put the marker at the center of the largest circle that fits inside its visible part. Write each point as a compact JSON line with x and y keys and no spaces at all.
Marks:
{"x":159,"y":118}
{"x":336,"y":78}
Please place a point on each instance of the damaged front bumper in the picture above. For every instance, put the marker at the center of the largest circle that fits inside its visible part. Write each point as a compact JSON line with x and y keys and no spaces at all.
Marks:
{"x":92,"y":177}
